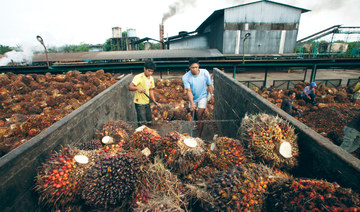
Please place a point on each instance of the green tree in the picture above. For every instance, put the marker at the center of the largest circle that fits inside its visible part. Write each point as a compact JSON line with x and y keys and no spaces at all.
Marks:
{"x":4,"y":49}
{"x":353,"y":49}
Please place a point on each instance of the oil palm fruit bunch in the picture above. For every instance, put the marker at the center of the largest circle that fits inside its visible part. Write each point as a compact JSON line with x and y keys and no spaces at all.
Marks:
{"x":190,"y":153}
{"x":144,"y":137}
{"x":161,"y":189}
{"x":162,"y":112}
{"x":226,"y":152}
{"x":180,"y":113}
{"x":59,"y":180}
{"x":156,"y":112}
{"x":116,"y":133}
{"x":167,"y":83}
{"x":126,"y":126}
{"x":176,"y":81}
{"x":270,"y":139}
{"x":159,"y":83}
{"x":166,"y":148}
{"x":111,"y":181}
{"x":241,"y":188}
{"x":311,"y":195}
{"x":167,"y":112}
{"x":93,"y":144}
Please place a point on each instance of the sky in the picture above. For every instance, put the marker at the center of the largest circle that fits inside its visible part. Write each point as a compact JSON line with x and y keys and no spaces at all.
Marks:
{"x":68,"y":22}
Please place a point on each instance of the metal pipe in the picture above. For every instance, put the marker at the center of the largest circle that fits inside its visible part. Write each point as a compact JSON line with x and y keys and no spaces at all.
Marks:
{"x":245,"y":37}
{"x":42,"y":43}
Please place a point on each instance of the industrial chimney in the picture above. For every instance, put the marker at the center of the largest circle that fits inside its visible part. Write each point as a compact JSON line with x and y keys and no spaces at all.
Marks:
{"x":161,"y":36}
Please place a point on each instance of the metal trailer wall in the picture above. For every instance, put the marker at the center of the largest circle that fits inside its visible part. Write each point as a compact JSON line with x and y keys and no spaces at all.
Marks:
{"x":18,"y":168}
{"x":319,"y":158}
{"x":273,"y":28}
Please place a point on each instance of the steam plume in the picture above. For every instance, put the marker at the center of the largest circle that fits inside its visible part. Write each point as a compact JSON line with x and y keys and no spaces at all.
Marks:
{"x":177,"y":7}
{"x":19,"y":57}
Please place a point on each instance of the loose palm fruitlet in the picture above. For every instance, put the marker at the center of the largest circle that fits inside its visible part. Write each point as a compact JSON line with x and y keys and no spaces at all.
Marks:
{"x":270,"y":139}
{"x":111,"y":181}
{"x":59,"y":180}
{"x":144,"y":137}
{"x":226,"y":152}
{"x":310,"y":195}
{"x":241,"y":188}
{"x":159,"y":190}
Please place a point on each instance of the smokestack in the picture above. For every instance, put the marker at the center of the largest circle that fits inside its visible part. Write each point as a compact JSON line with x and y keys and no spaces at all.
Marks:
{"x":161,"y":36}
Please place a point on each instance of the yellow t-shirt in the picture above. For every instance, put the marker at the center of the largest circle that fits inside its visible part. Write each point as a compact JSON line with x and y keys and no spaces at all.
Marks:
{"x":357,"y":87}
{"x":142,"y":81}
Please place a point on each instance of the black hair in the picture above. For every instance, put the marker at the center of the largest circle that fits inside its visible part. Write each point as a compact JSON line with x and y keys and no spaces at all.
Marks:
{"x":193,"y":60}
{"x":149,"y":65}
{"x":291,"y":92}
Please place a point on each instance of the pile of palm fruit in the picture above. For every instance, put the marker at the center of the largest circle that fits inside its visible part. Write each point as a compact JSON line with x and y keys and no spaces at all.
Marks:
{"x":331,"y":102}
{"x":174,"y":102}
{"x":143,"y":171}
{"x":324,"y":96}
{"x":31,"y":103}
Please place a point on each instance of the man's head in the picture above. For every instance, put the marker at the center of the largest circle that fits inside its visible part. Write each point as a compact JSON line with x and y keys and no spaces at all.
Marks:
{"x":313,"y":84}
{"x":149,"y":68}
{"x":194,"y":66}
{"x":359,"y":79}
{"x":292,"y":94}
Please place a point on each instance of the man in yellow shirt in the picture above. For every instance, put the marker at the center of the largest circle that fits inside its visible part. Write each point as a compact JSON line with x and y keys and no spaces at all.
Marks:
{"x":357,"y":91}
{"x":144,"y":84}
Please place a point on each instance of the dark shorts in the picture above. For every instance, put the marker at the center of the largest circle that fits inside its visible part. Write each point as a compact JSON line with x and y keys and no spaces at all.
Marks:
{"x":143,"y":114}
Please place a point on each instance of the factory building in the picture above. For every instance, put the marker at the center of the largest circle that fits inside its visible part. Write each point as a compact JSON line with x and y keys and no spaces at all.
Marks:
{"x":261,"y":27}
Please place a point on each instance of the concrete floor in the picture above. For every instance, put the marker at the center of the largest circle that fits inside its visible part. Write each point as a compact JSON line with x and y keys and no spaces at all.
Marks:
{"x":299,"y":74}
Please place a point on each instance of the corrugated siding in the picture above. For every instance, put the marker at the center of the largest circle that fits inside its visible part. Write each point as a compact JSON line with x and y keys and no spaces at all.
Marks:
{"x":265,"y":21}
{"x":260,"y":42}
{"x":290,"y":41}
{"x":262,"y":12}
{"x":216,"y":36}
{"x":191,"y":42}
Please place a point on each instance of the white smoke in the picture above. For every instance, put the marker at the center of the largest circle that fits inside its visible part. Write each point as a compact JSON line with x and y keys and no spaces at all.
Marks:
{"x":21,"y":57}
{"x":177,"y":7}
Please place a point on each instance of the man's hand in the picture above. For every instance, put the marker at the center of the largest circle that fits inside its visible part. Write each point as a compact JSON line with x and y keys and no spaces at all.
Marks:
{"x":212,"y":100}
{"x":192,"y":107}
{"x":140,"y":90}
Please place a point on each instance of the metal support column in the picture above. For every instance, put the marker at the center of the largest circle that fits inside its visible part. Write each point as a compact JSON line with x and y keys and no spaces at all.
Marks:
{"x":234,"y":73}
{"x":266,"y":72}
{"x":305,"y":69}
{"x":313,"y":74}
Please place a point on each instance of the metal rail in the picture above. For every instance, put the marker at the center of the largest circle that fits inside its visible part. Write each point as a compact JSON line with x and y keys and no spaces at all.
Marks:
{"x":182,"y":65}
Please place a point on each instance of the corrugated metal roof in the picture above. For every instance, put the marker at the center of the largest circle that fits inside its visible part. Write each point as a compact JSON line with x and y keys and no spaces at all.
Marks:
{"x":220,"y":12}
{"x":128,"y":55}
